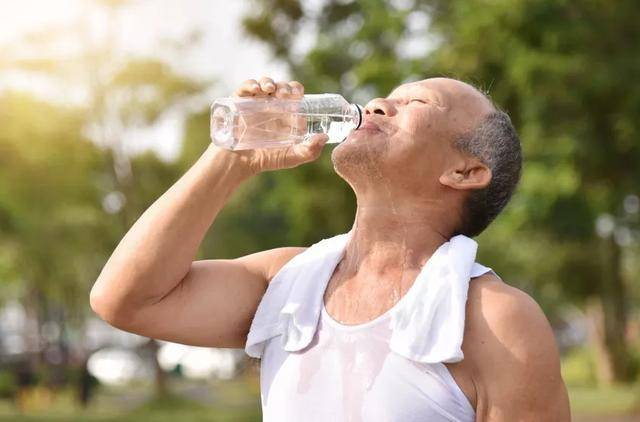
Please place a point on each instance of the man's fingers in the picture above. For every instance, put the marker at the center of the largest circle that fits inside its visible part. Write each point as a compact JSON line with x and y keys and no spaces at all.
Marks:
{"x":311,"y":149}
{"x":318,"y":140}
{"x":283,"y":90}
{"x":248,"y":88}
{"x":296,"y":88}
{"x":267,"y":85}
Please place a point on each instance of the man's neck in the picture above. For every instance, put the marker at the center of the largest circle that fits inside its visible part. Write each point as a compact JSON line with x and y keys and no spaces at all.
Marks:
{"x":387,"y":236}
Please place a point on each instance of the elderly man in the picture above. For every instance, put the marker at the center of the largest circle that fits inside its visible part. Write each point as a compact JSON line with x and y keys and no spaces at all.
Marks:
{"x":392,"y":321}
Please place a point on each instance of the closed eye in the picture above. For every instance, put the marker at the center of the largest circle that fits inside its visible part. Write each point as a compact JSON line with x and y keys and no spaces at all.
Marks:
{"x":417,"y":100}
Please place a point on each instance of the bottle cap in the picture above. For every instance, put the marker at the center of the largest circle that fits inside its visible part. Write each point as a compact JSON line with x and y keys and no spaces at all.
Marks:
{"x":358,"y":107}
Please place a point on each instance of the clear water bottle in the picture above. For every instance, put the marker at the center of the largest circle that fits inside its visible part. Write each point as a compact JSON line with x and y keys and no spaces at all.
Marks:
{"x":251,"y":123}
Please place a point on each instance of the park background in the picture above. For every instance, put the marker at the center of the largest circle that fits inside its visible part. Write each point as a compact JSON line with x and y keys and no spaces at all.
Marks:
{"x":104,"y":104}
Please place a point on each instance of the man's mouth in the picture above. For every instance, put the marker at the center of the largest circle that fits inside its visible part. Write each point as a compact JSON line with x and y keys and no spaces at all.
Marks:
{"x":369,"y":125}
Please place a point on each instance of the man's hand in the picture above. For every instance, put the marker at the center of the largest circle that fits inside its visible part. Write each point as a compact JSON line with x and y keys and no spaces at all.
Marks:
{"x":286,"y":157}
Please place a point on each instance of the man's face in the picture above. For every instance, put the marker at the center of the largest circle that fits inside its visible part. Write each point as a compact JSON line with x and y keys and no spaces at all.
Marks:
{"x":406,"y":139}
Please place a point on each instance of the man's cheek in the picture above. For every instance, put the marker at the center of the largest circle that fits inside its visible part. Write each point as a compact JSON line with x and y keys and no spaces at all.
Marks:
{"x":400,"y":157}
{"x":410,"y":123}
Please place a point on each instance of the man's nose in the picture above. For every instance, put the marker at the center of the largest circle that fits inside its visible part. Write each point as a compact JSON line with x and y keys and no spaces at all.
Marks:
{"x":380,"y":106}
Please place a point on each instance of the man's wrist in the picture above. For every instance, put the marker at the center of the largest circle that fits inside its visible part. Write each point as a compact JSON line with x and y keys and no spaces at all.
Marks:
{"x":236,"y":165}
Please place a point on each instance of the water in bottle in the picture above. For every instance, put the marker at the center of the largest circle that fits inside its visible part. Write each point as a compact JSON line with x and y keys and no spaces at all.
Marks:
{"x":250,"y":123}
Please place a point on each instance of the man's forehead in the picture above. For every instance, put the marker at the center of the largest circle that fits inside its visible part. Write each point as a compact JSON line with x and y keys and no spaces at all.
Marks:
{"x":438,"y":85}
{"x":410,"y":87}
{"x":445,"y":89}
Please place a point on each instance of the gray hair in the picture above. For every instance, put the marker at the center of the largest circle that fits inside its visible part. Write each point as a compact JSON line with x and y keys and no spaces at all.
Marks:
{"x":495,"y":142}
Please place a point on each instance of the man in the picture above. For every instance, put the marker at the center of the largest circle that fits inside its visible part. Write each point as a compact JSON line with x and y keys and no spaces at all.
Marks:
{"x":382,"y":323}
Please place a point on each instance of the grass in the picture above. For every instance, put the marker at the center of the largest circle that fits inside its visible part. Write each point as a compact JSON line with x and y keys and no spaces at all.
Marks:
{"x":228,"y":401}
{"x":587,"y":398}
{"x":175,"y":408}
{"x":168,"y":409}
{"x":605,"y":401}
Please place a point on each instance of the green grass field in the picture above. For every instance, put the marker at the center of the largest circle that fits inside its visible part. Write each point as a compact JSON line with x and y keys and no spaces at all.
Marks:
{"x":610,"y":401}
{"x":236,"y":400}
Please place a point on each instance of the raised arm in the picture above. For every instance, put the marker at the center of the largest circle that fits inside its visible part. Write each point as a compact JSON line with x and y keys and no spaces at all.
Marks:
{"x":150,"y":284}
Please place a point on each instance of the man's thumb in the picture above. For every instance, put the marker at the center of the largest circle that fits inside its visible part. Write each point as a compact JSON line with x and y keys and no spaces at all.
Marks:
{"x":310,"y":149}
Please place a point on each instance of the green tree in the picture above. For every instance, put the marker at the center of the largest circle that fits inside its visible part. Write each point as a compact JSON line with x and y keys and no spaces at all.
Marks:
{"x":123,"y":93}
{"x":50,"y":200}
{"x":562,"y":71}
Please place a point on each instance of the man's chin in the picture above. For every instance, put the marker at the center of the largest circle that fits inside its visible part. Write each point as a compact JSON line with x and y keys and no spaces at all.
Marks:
{"x":358,"y":153}
{"x":364,"y":135}
{"x":349,"y":148}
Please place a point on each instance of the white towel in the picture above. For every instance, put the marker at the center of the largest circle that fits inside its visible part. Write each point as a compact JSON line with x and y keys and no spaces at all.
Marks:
{"x":427,"y":322}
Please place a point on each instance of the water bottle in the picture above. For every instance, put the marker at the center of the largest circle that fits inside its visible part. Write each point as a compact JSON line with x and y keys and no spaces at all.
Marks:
{"x":269,"y":122}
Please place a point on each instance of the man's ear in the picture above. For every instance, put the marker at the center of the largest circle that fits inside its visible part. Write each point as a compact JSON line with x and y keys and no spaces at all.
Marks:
{"x":467,"y":174}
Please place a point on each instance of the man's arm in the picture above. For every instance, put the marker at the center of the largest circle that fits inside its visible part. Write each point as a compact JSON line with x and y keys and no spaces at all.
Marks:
{"x":515,"y":360}
{"x":150,"y":284}
{"x":212,"y":306}
{"x":157,"y":251}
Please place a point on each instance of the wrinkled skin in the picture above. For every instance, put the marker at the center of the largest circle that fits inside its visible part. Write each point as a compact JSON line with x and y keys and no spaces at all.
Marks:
{"x":410,"y":183}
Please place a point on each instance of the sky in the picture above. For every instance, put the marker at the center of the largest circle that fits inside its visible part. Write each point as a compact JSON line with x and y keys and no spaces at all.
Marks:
{"x":145,"y":25}
{"x":149,"y":28}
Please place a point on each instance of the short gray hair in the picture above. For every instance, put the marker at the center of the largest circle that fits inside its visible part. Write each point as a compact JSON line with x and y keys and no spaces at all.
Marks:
{"x":495,"y":142}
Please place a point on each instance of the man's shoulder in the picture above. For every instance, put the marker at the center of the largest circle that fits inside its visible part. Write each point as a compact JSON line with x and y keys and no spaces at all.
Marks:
{"x":500,"y":314}
{"x":510,"y":345}
{"x":269,"y":262}
{"x":502,"y":305}
{"x":281,"y":256}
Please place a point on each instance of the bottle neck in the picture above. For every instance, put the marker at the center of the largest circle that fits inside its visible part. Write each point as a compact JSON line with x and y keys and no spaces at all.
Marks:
{"x":358,"y":114}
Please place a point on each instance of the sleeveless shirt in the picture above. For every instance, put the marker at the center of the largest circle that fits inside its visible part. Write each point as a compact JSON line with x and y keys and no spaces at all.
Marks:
{"x":391,"y":368}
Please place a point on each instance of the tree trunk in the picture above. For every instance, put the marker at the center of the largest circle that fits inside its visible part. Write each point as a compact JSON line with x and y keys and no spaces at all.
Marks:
{"x":604,"y":371}
{"x":614,"y":364}
{"x":160,"y":377}
{"x":33,"y":306}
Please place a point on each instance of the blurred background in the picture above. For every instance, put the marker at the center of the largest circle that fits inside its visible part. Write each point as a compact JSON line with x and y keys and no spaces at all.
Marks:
{"x":104,"y":104}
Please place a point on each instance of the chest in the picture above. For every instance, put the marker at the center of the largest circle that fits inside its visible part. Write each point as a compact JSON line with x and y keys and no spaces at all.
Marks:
{"x":350,"y":374}
{"x":362,"y":298}
{"x":359,"y":300}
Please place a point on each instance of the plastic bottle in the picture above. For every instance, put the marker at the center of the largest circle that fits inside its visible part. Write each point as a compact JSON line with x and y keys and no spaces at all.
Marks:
{"x":250,"y":123}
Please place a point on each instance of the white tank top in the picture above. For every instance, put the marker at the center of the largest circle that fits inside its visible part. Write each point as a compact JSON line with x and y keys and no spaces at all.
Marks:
{"x":388,"y":369}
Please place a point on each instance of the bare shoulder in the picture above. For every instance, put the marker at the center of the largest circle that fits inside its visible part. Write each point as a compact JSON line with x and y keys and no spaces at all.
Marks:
{"x":269,"y":262}
{"x":511,"y":346}
{"x":495,"y":307}
{"x":502,"y":319}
